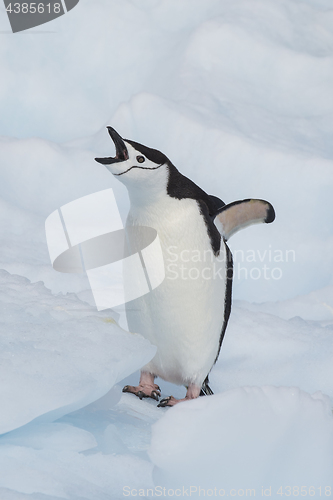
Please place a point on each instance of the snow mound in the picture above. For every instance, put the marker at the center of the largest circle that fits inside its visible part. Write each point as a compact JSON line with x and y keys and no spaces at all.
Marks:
{"x":7,"y":494}
{"x":56,"y":353}
{"x":251,"y":437}
{"x":316,"y":305}
{"x":53,"y":436}
{"x":70,"y":475}
{"x":83,"y":455}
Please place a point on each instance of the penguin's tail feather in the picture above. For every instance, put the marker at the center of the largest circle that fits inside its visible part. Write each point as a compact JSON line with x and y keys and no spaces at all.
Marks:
{"x":205,"y":389}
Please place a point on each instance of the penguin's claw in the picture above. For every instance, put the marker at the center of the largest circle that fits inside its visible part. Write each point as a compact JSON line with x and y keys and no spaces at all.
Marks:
{"x":144,"y":391}
{"x":141,"y":395}
{"x":171,"y":401}
{"x":155,"y":395}
{"x":165,"y":402}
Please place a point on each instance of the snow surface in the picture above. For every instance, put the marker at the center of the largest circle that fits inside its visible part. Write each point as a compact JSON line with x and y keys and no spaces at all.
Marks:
{"x":246,"y":438}
{"x":56,"y":354}
{"x":239,"y":96}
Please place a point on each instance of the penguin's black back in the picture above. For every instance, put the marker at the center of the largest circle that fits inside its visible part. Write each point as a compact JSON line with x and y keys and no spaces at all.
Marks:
{"x":181,"y":187}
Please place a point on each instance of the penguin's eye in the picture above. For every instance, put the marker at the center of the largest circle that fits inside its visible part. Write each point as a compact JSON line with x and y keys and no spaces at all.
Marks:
{"x":140,"y":159}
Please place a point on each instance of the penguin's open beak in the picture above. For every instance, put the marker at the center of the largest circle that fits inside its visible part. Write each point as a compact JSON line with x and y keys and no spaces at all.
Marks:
{"x":121,"y":150}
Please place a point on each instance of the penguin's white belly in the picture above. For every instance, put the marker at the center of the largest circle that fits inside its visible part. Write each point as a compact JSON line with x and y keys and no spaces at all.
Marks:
{"x":183,"y":317}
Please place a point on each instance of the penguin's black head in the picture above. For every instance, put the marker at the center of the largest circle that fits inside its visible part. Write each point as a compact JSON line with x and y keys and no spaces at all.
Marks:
{"x":133,"y":161}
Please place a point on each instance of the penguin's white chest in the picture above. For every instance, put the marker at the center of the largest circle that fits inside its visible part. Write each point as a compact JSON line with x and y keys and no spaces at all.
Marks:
{"x":183,"y":317}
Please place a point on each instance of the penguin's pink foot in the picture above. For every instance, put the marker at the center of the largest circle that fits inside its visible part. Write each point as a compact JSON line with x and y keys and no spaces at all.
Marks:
{"x":146,"y":387}
{"x":193,"y":391}
{"x":170,"y":401}
{"x":144,"y":391}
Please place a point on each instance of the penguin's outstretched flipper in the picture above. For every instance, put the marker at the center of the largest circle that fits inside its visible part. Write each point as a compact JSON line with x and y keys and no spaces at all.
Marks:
{"x":240,"y":214}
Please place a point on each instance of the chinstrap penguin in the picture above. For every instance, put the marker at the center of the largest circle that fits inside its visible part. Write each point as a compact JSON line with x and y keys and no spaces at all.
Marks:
{"x":187,"y":315}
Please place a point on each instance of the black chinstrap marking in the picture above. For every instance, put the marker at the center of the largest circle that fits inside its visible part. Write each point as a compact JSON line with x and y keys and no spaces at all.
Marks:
{"x":142,"y":168}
